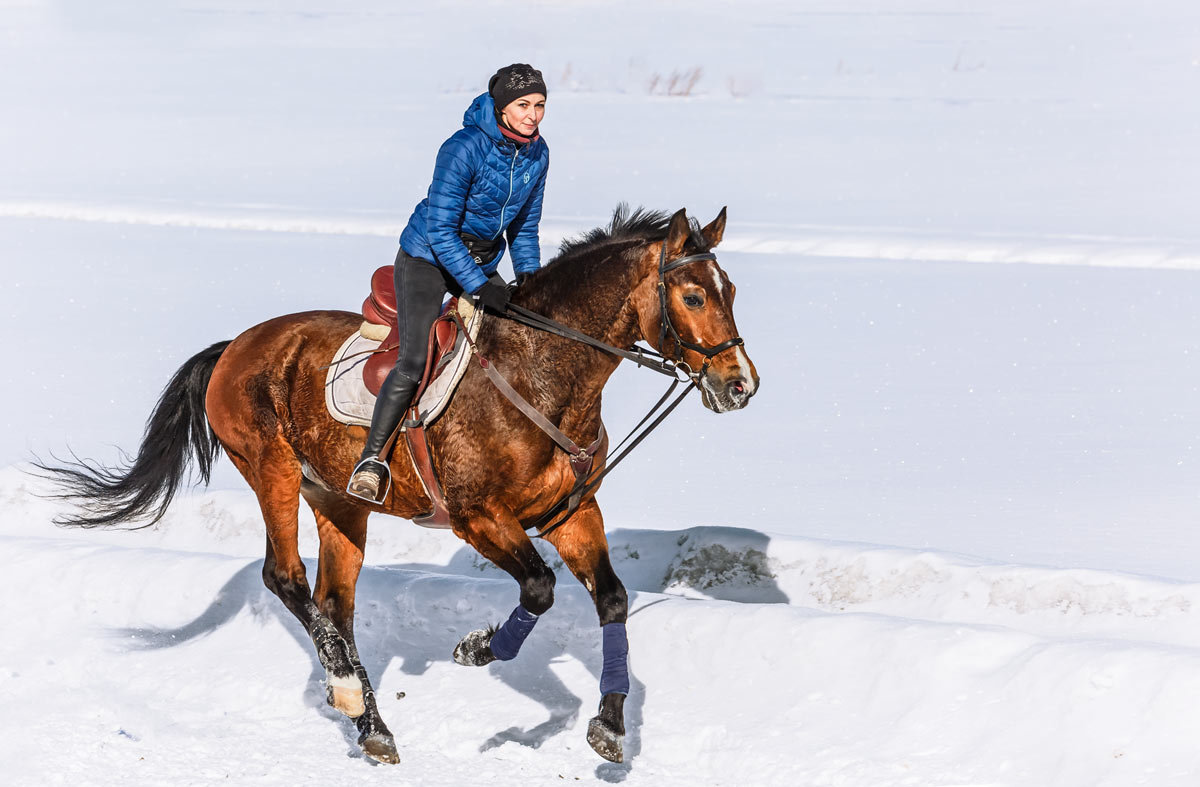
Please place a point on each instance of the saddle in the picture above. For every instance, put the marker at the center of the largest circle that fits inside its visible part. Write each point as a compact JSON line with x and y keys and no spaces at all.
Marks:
{"x":380,"y":324}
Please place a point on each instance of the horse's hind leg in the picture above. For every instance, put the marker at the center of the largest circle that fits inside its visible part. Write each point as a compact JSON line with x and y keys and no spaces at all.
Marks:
{"x":342,"y":527}
{"x":275,"y":478}
{"x":582,"y":545}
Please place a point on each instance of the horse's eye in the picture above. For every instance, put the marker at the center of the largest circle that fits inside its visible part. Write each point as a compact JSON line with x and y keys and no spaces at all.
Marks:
{"x":693,"y":301}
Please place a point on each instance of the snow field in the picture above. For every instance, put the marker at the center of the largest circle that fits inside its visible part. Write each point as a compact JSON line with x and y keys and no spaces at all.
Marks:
{"x":952,"y":541}
{"x":958,"y":672}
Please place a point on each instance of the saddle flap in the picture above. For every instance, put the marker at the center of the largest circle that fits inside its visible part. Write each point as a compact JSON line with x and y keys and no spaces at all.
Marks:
{"x":380,"y":363}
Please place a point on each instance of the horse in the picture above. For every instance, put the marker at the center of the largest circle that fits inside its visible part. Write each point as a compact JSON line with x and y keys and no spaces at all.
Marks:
{"x":260,"y":399}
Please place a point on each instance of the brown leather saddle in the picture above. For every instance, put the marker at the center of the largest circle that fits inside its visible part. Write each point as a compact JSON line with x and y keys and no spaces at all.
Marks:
{"x":379,"y":308}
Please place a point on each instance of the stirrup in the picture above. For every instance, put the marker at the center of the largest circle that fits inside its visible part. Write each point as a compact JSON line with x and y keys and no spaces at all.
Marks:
{"x":384,"y":475}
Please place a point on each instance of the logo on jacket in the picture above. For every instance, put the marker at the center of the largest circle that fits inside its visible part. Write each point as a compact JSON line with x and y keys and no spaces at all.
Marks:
{"x":526,"y":177}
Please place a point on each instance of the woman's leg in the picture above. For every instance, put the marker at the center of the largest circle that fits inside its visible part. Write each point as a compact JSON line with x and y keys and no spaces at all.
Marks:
{"x":420,"y":288}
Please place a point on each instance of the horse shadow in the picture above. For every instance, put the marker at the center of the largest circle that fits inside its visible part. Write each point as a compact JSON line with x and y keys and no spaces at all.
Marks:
{"x":402,"y":614}
{"x":384,"y":638}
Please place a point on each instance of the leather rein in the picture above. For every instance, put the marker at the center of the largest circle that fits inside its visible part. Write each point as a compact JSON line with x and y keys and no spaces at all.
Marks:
{"x":582,"y":459}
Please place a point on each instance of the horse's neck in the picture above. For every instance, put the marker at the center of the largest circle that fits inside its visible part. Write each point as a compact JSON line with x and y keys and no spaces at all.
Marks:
{"x":596,"y":298}
{"x":598,"y":301}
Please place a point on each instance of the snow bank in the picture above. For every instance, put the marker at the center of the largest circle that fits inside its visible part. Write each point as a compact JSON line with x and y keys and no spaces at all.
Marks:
{"x":757,"y":659}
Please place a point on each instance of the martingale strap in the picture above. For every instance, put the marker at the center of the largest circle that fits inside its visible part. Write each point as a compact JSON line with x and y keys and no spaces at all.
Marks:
{"x":547,"y":523}
{"x":582,"y":459}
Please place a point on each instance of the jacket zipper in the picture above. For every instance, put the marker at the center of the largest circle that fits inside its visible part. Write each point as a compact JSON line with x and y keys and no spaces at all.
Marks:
{"x":511,"y":170}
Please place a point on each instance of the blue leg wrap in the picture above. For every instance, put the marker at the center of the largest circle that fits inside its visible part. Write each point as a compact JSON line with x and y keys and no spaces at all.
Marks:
{"x":508,"y":638}
{"x":614,"y":678}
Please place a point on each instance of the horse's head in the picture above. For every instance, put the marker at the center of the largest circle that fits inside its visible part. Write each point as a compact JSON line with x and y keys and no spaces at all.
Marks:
{"x":689,"y":315}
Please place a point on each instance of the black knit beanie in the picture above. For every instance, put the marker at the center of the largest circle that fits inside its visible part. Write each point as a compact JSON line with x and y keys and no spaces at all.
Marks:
{"x":511,"y":82}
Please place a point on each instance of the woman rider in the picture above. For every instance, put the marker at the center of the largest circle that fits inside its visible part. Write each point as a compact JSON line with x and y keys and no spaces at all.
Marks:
{"x":489,"y":178}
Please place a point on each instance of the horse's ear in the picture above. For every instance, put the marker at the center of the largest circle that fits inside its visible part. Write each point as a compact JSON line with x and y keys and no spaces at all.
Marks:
{"x":677,"y":233}
{"x":714,"y":231}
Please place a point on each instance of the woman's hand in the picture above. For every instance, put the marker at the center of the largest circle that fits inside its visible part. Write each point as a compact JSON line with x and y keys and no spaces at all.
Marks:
{"x":494,"y":296}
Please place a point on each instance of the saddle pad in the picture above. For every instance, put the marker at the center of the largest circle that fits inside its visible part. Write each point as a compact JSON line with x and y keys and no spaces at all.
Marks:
{"x":349,"y":401}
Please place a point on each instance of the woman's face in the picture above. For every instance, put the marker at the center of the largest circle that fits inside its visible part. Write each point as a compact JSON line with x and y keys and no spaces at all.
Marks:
{"x":525,"y":114}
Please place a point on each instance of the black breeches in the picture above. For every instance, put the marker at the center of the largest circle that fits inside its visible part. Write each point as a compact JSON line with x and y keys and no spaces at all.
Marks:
{"x":420,"y":288}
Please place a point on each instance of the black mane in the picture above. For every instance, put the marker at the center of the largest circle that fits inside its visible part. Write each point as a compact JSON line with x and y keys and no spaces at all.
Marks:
{"x":590,"y":258}
{"x":630,"y":224}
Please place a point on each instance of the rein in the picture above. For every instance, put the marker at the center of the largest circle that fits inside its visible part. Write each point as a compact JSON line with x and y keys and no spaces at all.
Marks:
{"x":672,"y":367}
{"x":639,"y":355}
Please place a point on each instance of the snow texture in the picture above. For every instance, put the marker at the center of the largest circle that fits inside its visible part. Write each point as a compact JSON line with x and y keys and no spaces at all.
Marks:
{"x":951,"y":541}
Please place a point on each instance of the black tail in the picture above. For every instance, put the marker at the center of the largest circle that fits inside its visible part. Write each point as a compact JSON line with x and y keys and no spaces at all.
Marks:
{"x":176,"y":433}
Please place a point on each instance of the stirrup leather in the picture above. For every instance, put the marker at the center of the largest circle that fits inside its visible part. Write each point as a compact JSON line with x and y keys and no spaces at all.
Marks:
{"x":385,"y":477}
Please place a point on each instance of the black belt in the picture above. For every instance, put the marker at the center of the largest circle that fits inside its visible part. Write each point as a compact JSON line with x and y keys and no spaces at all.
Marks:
{"x":482,"y":250}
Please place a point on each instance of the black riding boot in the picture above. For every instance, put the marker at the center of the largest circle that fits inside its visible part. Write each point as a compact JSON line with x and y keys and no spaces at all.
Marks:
{"x":420,"y":287}
{"x":395,"y":396}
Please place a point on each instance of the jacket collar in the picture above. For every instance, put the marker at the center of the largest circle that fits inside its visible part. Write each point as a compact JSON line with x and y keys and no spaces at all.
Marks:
{"x":515,"y":137}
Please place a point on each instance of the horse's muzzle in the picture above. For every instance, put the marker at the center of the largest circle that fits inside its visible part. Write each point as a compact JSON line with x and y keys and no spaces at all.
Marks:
{"x":721,"y":396}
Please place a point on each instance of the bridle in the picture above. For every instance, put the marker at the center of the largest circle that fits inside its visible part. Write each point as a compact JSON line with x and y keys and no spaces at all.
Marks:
{"x":671,"y":365}
{"x":666,"y":326}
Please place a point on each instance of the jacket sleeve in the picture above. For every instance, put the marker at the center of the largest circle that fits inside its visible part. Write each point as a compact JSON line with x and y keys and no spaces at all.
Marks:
{"x":524,"y":246}
{"x":452,"y":176}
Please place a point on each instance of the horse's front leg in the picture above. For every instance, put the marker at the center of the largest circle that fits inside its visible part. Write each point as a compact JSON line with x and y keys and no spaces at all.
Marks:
{"x":498,"y":536}
{"x":584,"y":548}
{"x":342,"y":527}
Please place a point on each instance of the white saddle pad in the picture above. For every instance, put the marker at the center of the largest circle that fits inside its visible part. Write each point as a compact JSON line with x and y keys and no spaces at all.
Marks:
{"x":347,"y":397}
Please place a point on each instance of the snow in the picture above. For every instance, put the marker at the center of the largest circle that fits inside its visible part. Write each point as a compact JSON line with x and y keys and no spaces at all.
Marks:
{"x":951,"y":541}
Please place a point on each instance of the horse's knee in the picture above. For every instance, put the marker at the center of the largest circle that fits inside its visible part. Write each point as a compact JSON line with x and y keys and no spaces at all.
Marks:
{"x":612,"y":605}
{"x":537,"y":592}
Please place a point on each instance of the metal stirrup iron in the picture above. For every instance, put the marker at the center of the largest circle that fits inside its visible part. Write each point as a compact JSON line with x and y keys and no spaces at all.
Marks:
{"x":384,"y":477}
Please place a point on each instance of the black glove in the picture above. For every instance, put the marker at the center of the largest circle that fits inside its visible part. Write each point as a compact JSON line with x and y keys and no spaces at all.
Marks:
{"x":494,"y":296}
{"x":521,"y":279}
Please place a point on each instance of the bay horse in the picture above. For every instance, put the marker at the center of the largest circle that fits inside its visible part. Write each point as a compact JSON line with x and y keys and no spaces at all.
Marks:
{"x":260,"y":398}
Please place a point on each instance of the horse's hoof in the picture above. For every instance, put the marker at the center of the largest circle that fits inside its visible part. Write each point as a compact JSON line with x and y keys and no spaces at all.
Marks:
{"x":380,"y":747}
{"x":346,"y":695}
{"x":475,"y":649}
{"x":607,"y":742}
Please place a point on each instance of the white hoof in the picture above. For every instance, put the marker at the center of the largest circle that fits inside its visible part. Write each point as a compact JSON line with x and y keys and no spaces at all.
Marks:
{"x":346,"y":695}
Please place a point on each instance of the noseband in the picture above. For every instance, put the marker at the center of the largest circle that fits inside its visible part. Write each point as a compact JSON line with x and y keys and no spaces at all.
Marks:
{"x":666,"y":326}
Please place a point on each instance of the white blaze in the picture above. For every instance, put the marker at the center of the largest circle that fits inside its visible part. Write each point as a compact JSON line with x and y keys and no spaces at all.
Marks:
{"x":717,"y":280}
{"x":743,"y":369}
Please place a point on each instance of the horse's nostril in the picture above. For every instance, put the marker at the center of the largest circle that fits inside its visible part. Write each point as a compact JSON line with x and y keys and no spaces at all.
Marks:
{"x":737,"y":389}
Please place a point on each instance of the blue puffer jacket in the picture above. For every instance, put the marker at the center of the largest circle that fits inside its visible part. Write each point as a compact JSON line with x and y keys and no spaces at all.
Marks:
{"x":483,"y":183}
